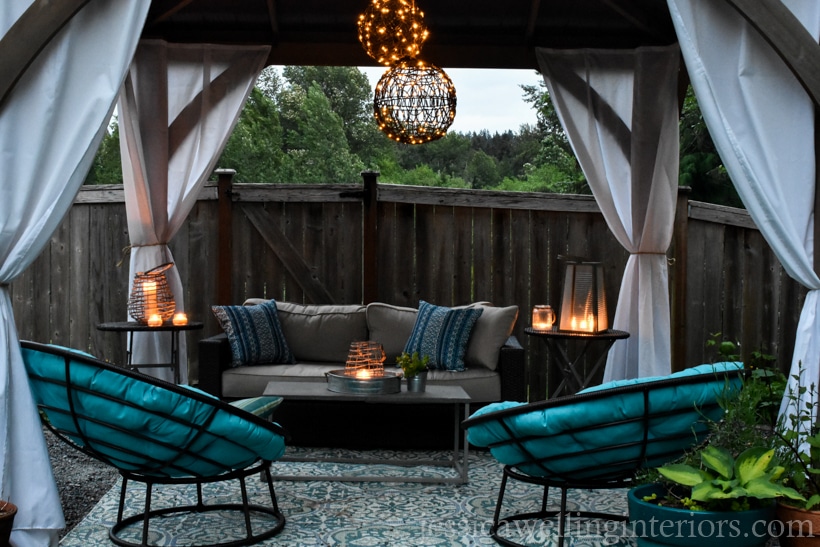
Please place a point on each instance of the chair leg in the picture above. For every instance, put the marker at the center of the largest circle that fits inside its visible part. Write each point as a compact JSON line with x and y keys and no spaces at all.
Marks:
{"x":498,"y":503}
{"x":148,"y":490}
{"x":562,"y":517}
{"x":269,"y":480}
{"x":246,"y":506}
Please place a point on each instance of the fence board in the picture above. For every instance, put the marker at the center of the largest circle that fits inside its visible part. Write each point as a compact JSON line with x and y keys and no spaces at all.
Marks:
{"x":442,"y":245}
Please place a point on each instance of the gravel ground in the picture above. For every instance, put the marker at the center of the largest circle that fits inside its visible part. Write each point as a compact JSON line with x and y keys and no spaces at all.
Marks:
{"x":81,"y":480}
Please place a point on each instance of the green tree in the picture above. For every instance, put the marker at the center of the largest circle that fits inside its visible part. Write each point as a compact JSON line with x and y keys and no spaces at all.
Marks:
{"x":314,"y":140}
{"x":555,"y":146}
{"x":348,"y":91}
{"x":107,"y":165}
{"x":481,"y":170}
{"x":254,"y":149}
{"x":700,"y":165}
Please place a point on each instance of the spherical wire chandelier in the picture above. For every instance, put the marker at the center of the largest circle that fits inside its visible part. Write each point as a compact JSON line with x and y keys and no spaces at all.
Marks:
{"x":414,"y":102}
{"x":391,"y":29}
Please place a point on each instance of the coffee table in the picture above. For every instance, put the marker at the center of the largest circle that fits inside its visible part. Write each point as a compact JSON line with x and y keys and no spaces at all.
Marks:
{"x":434,"y":394}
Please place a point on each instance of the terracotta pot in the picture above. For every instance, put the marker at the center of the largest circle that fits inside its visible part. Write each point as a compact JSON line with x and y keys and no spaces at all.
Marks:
{"x":7,"y":512}
{"x":801,"y":527}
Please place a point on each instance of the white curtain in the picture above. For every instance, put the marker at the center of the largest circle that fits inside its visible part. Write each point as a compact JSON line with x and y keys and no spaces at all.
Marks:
{"x":762,"y":123}
{"x":619,"y":109}
{"x":177,"y":109}
{"x":50,"y":128}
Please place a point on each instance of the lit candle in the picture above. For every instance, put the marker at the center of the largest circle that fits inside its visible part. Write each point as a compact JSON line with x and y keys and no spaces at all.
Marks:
{"x":154,"y":320}
{"x":542,"y":317}
{"x":363,"y":374}
{"x":180,"y":319}
{"x":149,"y":291}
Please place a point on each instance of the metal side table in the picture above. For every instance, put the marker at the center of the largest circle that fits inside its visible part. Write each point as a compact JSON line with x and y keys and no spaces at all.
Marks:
{"x":573,"y":379}
{"x":132,"y":326}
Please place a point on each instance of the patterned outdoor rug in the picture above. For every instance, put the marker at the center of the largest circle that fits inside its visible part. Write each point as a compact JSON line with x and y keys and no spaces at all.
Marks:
{"x":366,"y":514}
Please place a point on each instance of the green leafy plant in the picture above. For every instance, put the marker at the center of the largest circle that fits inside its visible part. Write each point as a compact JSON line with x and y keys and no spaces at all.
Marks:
{"x":411,"y":365}
{"x":798,"y":444}
{"x":739,"y":467}
{"x":723,"y":483}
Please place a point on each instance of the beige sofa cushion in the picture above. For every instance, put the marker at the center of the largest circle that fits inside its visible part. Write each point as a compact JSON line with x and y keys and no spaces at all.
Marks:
{"x":321,"y":332}
{"x":490,"y":332}
{"x":391,"y":326}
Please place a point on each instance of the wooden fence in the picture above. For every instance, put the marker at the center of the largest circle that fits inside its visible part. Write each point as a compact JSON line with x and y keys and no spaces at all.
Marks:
{"x":399,"y":244}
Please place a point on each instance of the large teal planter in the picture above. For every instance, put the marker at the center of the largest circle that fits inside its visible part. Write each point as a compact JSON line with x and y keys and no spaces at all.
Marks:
{"x":656,"y":526}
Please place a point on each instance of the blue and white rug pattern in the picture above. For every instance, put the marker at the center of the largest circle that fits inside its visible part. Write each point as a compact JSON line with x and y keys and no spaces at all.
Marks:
{"x":365,"y":514}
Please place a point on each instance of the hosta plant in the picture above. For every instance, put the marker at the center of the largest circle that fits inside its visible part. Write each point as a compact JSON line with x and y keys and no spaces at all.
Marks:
{"x":724,"y":483}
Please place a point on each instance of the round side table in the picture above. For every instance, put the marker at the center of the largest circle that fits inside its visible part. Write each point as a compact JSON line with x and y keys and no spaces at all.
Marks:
{"x":131,"y":327}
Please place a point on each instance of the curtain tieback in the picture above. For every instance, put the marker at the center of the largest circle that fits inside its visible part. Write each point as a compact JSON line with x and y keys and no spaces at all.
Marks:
{"x":127,"y":250}
{"x":669,"y":261}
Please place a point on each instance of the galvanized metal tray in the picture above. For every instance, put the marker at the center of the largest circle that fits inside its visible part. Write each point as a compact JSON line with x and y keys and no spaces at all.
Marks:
{"x":340,"y":382}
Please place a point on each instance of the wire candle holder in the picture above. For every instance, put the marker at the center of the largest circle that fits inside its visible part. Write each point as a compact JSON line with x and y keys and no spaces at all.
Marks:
{"x":414,"y":102}
{"x":391,"y":29}
{"x":365,"y":360}
{"x":151,"y":302}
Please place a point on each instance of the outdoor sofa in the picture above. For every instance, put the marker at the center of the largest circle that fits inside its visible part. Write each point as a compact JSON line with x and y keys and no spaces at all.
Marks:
{"x":310,"y":340}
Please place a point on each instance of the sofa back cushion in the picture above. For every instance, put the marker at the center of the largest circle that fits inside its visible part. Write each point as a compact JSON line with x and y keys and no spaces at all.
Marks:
{"x":491,"y":331}
{"x":392,"y":326}
{"x":321,"y":332}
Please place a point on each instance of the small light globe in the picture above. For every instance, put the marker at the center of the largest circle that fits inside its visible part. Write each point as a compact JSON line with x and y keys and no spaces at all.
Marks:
{"x":414,"y":102}
{"x":391,"y":29}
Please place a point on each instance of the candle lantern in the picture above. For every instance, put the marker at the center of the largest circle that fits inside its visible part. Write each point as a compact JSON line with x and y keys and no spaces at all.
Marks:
{"x":151,"y":302}
{"x":365,"y":360}
{"x":583,"y":306}
{"x":543,"y":317}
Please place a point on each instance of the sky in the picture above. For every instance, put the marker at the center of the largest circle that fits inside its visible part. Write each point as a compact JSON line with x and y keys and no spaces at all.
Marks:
{"x":485,"y":99}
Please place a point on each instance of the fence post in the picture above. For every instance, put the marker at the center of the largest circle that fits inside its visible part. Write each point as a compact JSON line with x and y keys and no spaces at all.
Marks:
{"x":677,"y":280}
{"x":224,"y":255}
{"x":370,"y":231}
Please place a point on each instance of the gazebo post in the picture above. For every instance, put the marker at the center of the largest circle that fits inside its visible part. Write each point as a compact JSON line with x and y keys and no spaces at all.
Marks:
{"x":370,"y":227}
{"x":677,"y":280}
{"x":224,"y":275}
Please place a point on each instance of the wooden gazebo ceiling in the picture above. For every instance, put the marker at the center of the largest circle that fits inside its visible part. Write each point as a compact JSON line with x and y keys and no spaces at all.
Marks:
{"x":463,"y":33}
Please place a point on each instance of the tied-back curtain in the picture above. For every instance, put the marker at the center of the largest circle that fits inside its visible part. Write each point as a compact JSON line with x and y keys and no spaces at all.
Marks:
{"x":762,"y":123}
{"x":50,"y":127}
{"x":619,"y":109}
{"x":177,"y":109}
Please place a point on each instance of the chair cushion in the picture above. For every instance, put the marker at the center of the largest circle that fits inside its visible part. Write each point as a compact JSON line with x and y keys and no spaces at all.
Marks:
{"x":586,"y":436}
{"x":144,"y":425}
{"x":254,"y":333}
{"x":443,"y":334}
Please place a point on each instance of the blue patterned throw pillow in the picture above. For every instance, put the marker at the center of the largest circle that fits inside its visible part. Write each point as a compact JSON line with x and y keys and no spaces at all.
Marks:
{"x":442,"y":333}
{"x":254,"y":333}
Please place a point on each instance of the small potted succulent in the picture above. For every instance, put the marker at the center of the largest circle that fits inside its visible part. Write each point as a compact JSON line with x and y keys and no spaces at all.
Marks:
{"x":414,"y":369}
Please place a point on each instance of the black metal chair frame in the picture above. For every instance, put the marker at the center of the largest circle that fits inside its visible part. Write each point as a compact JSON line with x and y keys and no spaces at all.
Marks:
{"x":152,"y":474}
{"x":618,"y":474}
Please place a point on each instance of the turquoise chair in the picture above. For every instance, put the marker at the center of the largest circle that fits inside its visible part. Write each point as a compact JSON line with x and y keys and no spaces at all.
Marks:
{"x":156,"y":433}
{"x":601,"y":437}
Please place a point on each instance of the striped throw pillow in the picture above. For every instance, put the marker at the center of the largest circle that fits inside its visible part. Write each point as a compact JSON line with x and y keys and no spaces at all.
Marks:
{"x":254,"y":333}
{"x":442,"y":333}
{"x":258,"y":406}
